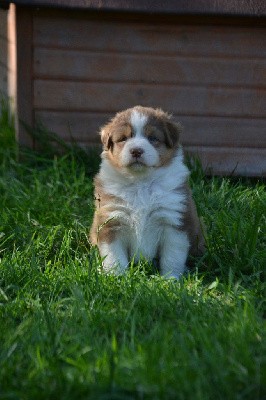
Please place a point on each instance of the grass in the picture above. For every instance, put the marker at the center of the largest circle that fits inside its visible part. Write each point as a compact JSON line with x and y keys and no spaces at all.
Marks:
{"x":68,"y":331}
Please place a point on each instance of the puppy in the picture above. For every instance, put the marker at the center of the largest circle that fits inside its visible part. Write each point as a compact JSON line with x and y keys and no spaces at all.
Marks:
{"x":144,"y":205}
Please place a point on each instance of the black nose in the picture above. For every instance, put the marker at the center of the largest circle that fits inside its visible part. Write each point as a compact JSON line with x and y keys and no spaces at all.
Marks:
{"x":136,"y":152}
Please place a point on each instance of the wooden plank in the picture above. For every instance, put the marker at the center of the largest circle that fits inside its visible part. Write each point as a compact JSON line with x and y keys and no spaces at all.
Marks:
{"x":133,"y":37}
{"x":80,"y":96}
{"x":87,"y":66}
{"x":81,"y":127}
{"x":24,"y":74}
{"x":226,"y":161}
{"x":221,"y":161}
{"x":222,"y":131}
{"x":190,"y":7}
{"x":197,"y":131}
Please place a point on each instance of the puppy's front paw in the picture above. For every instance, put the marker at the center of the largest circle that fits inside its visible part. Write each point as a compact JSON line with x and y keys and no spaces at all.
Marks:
{"x":114,"y":269}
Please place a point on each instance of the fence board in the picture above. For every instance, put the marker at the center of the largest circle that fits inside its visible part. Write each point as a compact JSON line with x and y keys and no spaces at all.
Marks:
{"x":83,"y":65}
{"x":226,"y":161}
{"x":131,"y":36}
{"x":202,"y":131}
{"x":79,"y":96}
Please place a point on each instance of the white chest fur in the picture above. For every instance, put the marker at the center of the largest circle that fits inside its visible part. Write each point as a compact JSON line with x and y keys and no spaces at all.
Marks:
{"x":148,"y":211}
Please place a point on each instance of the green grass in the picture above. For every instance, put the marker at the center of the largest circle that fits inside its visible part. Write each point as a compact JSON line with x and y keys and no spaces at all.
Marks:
{"x":68,"y":331}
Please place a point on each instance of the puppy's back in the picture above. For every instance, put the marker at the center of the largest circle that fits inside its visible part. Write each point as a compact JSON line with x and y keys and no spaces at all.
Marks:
{"x":193,"y":226}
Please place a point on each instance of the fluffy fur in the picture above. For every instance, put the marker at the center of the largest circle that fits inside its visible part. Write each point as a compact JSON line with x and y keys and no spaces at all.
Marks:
{"x":143,"y":203}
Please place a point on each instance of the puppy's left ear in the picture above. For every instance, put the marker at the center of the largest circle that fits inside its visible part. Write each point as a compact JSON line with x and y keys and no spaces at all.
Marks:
{"x":106,"y":139}
{"x":172,"y":133}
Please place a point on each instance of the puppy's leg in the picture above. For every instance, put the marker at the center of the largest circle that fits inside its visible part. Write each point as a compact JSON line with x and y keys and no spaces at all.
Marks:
{"x":115,"y":256}
{"x":173,"y":253}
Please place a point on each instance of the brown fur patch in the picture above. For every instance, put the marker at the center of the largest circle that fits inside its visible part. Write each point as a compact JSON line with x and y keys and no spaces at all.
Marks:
{"x":193,"y":226}
{"x":104,"y":228}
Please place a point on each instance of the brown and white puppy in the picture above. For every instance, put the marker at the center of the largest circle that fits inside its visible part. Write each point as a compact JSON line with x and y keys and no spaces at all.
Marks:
{"x":143,"y":202}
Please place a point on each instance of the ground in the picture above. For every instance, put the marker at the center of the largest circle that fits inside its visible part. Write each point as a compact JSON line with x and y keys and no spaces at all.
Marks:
{"x":68,"y":331}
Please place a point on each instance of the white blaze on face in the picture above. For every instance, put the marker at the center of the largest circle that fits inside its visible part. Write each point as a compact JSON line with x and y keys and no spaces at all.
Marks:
{"x":138,"y":122}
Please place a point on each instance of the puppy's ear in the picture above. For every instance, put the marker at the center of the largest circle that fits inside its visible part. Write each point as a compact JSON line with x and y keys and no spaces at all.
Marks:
{"x":172,"y":132}
{"x":106,"y":139}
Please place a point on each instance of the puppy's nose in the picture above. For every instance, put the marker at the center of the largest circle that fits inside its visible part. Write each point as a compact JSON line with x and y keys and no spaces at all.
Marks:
{"x":136,"y":152}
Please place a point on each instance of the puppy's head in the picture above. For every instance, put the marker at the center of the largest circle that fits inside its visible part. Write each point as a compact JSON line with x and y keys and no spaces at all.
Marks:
{"x":140,"y":138}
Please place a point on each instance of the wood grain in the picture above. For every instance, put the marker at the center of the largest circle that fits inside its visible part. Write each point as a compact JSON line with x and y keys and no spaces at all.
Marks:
{"x":232,"y":162}
{"x":208,"y":7}
{"x":133,"y":37}
{"x":80,"y":96}
{"x":197,"y":131}
{"x":221,"y":161}
{"x":85,"y":66}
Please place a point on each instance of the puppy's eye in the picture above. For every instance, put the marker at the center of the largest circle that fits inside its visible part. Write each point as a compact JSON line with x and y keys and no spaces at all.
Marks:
{"x":122,"y":139}
{"x":153,"y":139}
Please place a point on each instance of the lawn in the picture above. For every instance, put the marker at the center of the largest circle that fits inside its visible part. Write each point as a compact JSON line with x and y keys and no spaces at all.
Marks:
{"x":68,"y":331}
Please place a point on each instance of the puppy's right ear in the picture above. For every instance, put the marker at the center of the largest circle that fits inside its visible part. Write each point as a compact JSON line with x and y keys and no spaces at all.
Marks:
{"x":106,"y":139}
